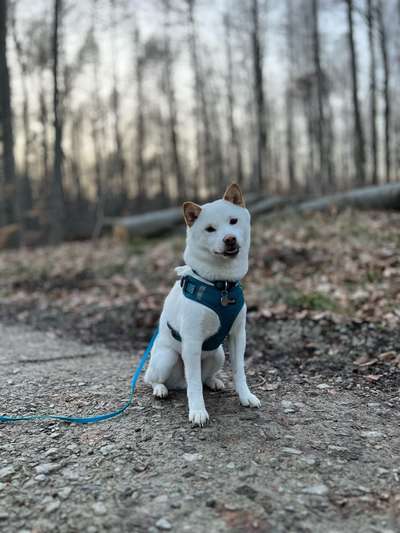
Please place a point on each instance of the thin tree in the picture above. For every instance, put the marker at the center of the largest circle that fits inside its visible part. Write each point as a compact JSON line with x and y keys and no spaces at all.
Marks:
{"x":119,"y":165}
{"x":172,"y":107}
{"x":290,"y":135}
{"x":359,"y":144}
{"x":372,"y":88}
{"x":202,"y":118}
{"x":386,"y":87}
{"x":140,"y":122}
{"x":10,"y":206}
{"x":321,"y":133}
{"x":235,"y":166}
{"x":57,"y":193}
{"x":24,"y":182}
{"x":258,"y":73}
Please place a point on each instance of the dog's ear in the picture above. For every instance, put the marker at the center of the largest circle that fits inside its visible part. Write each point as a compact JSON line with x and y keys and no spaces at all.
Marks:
{"x":234,"y":195}
{"x":191,"y":211}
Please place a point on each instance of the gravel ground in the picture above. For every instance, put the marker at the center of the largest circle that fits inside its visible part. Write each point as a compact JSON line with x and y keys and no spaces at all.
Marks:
{"x":320,"y":456}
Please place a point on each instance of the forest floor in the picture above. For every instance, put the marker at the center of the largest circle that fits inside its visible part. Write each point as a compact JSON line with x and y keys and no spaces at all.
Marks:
{"x":321,"y":455}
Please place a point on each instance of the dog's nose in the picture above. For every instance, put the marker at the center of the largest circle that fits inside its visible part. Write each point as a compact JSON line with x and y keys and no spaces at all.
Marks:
{"x":230,"y":241}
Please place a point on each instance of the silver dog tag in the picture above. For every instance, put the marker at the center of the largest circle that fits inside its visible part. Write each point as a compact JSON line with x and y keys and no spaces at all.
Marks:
{"x":225,"y":300}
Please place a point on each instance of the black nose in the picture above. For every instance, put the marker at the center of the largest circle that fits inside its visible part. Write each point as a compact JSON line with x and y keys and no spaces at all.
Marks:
{"x":230,"y":241}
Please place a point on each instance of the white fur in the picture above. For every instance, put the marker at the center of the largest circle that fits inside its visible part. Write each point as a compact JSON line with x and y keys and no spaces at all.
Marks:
{"x":179,"y":365}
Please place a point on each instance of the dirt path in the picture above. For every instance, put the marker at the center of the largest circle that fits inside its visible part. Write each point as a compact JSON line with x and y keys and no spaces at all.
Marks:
{"x":319,"y":456}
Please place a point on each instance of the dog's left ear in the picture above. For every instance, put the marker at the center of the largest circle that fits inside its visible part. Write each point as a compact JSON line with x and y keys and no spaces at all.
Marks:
{"x":234,"y":195}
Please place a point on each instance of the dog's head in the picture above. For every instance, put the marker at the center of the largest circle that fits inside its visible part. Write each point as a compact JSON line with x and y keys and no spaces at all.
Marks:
{"x":218,"y":236}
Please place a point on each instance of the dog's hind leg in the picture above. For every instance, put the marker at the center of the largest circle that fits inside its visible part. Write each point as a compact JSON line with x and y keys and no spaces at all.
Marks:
{"x":161,"y":364}
{"x":211,"y":366}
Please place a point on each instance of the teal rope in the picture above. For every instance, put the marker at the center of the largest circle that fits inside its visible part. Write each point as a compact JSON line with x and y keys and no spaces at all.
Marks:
{"x":98,"y":418}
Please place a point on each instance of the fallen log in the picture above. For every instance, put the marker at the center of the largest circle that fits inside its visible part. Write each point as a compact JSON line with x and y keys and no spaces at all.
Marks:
{"x":159,"y":222}
{"x":378,"y":197}
{"x":267,"y":205}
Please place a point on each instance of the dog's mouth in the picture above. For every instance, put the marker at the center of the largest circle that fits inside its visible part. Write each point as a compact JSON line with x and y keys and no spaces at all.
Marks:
{"x":231,"y":252}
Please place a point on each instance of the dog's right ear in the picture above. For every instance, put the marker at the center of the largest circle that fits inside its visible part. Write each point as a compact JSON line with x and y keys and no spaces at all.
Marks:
{"x":191,"y":211}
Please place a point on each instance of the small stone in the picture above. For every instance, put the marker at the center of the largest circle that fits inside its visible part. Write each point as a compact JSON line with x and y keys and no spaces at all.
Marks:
{"x":65,"y":492}
{"x":40,"y":477}
{"x":52,"y":506}
{"x":286,"y":404}
{"x":230,"y":465}
{"x":372,"y":434}
{"x":7,"y":472}
{"x":99,"y":508}
{"x":47,"y":468}
{"x":3,"y":515}
{"x":309,"y":460}
{"x":51,"y":451}
{"x":192,"y":457}
{"x":246,"y":490}
{"x":163,"y":498}
{"x":323,"y":386}
{"x":292,"y":451}
{"x":316,"y":490}
{"x":163,"y":524}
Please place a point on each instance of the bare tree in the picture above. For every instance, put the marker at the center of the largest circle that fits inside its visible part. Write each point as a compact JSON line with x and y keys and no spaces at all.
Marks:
{"x":386,"y":87}
{"x":57,"y":191}
{"x":202,"y":119}
{"x":372,"y":86}
{"x":235,"y":166}
{"x":321,"y":127}
{"x":172,"y":107}
{"x":24,"y":192}
{"x":358,"y":127}
{"x":261,"y":164}
{"x":10,"y":204}
{"x":290,"y":135}
{"x":119,"y":165}
{"x":140,"y":122}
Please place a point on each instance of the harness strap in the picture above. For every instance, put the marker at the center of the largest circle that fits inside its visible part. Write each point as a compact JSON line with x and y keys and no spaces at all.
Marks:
{"x":225,"y":298}
{"x":98,"y":418}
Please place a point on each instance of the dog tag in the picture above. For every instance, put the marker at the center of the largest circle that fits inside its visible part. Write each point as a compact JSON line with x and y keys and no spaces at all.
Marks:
{"x":225,"y":300}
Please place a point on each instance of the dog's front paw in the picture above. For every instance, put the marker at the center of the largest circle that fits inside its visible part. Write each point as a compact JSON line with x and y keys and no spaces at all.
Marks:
{"x":215,"y":384}
{"x":250,"y":400}
{"x":160,"y":390}
{"x":198,"y":417}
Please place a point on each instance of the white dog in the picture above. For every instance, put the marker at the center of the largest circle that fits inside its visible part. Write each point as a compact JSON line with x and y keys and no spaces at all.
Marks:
{"x":206,"y":306}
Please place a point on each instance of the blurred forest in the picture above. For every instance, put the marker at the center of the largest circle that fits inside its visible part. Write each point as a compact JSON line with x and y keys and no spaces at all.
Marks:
{"x":113,"y":107}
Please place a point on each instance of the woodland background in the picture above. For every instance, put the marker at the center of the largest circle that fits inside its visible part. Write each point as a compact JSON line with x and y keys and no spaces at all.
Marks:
{"x":113,"y":107}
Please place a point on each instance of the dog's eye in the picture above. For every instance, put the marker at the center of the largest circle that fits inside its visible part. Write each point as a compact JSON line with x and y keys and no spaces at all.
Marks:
{"x":210,"y":229}
{"x":233,"y":221}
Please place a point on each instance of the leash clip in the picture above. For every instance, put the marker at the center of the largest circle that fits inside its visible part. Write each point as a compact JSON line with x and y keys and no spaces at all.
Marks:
{"x":225,"y":300}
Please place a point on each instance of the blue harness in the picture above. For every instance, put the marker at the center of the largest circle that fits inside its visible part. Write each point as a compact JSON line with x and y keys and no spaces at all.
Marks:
{"x":224,"y":297}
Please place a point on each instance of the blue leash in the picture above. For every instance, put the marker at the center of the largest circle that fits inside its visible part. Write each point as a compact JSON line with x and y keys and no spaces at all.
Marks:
{"x":99,"y":418}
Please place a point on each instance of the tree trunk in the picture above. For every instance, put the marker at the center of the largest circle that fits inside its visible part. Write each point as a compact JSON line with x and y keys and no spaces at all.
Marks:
{"x":172,"y":108}
{"x":201,"y":109}
{"x":290,"y":135}
{"x":320,"y":99}
{"x":10,"y":204}
{"x":373,"y":96}
{"x":140,"y":123}
{"x":359,"y":146}
{"x":386,"y":88}
{"x":44,"y":123}
{"x":57,"y":192}
{"x":235,"y":166}
{"x":119,"y":165}
{"x":261,"y":164}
